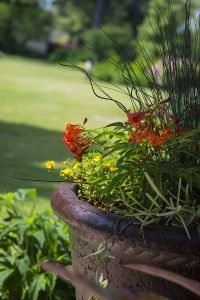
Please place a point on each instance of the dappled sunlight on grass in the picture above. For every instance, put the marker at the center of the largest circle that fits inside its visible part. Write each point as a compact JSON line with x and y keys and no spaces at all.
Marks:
{"x":37,"y":99}
{"x":49,"y":95}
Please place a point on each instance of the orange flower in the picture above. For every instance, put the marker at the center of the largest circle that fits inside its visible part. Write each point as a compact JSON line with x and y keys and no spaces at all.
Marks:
{"x":146,"y":131}
{"x":155,"y":140}
{"x":167,"y":133}
{"x":155,"y":133}
{"x":135,"y":118}
{"x":170,"y":117}
{"x":76,"y":142}
{"x":135,"y":137}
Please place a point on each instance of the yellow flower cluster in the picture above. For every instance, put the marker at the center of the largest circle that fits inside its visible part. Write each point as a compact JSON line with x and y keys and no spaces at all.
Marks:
{"x":50,"y":165}
{"x":105,"y":164}
{"x":69,"y":171}
{"x":65,"y":172}
{"x":110,"y":167}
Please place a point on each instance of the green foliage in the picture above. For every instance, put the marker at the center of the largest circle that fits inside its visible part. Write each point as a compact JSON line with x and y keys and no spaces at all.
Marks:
{"x":71,"y":19}
{"x":139,"y":74}
{"x":147,"y":35}
{"x":126,"y":13}
{"x":110,"y":39}
{"x":27,"y":239}
{"x":99,"y":43}
{"x":73,"y":16}
{"x":154,"y":155}
{"x":74,"y":56}
{"x":149,"y":184}
{"x":106,"y":71}
{"x":176,"y":76}
{"x":5,"y":13}
{"x":22,"y":2}
{"x":76,"y":13}
{"x":20,"y":23}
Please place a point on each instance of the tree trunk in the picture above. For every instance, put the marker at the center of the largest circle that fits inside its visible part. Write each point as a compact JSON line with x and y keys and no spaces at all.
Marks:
{"x":98,"y":13}
{"x":135,"y":15}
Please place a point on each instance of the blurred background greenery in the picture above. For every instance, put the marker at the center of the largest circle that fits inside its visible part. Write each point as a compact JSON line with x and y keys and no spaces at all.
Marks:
{"x":38,"y":96}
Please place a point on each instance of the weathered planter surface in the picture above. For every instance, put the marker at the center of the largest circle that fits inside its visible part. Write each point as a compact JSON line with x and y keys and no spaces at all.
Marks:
{"x":160,"y":246}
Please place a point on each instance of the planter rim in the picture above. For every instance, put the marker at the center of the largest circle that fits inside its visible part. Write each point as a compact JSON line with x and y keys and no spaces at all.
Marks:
{"x":82,"y":215}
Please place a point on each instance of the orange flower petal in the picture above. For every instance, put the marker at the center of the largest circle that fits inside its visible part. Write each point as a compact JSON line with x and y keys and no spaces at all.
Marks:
{"x":135,"y":118}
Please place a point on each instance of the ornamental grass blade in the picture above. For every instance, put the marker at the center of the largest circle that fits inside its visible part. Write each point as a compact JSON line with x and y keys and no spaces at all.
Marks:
{"x":154,"y":187}
{"x":77,"y":279}
{"x":189,"y":284}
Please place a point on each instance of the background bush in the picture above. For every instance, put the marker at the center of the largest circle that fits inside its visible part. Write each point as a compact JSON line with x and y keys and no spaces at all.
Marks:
{"x":21,"y":22}
{"x":106,"y":71}
{"x":109,"y":72}
{"x":104,"y":42}
{"x":71,"y":55}
{"x":27,"y":239}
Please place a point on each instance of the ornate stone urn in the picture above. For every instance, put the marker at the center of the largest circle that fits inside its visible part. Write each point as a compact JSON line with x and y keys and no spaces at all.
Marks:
{"x":161,"y":246}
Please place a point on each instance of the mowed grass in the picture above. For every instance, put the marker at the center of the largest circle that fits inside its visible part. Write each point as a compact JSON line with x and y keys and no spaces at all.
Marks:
{"x":36,"y":101}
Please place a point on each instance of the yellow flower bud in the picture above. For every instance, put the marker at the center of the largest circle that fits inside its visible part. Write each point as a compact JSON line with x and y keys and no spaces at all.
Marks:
{"x":97,"y":158}
{"x":113,"y":169}
{"x":50,"y":164}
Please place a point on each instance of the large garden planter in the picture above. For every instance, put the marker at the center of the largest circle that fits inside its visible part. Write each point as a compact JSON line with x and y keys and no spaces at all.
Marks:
{"x":160,"y":246}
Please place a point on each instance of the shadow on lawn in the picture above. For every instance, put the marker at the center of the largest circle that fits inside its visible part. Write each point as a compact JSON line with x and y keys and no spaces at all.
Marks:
{"x":23,"y":151}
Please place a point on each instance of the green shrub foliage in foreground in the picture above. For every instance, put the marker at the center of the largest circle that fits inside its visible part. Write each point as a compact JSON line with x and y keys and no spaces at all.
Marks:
{"x":27,"y":239}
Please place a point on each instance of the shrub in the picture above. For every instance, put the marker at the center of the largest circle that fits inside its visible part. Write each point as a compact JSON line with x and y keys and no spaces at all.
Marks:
{"x":102,"y":45}
{"x":27,"y":239}
{"x":21,"y":23}
{"x":106,"y":71}
{"x":72,"y":55}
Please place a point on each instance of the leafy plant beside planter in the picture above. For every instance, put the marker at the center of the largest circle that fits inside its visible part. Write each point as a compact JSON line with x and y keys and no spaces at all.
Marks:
{"x":143,"y":171}
{"x":27,"y":238}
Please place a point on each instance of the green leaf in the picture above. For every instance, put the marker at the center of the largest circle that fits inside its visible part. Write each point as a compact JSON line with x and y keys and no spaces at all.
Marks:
{"x":4,"y":275}
{"x":23,"y":194}
{"x":23,"y":265}
{"x":116,"y":124}
{"x":11,"y":259}
{"x":114,"y":182}
{"x":40,"y":237}
{"x":10,"y":227}
{"x":37,"y":285}
{"x":20,"y":232}
{"x":98,"y":180}
{"x":154,"y":187}
{"x":51,"y":282}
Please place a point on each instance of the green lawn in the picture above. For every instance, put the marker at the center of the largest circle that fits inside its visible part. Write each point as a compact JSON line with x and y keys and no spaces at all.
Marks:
{"x":36,"y":101}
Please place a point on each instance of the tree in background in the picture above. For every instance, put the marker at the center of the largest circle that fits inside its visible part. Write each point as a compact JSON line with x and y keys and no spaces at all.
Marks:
{"x":73,"y":16}
{"x":20,"y":21}
{"x":72,"y":19}
{"x":93,"y":14}
{"x":129,"y":12}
